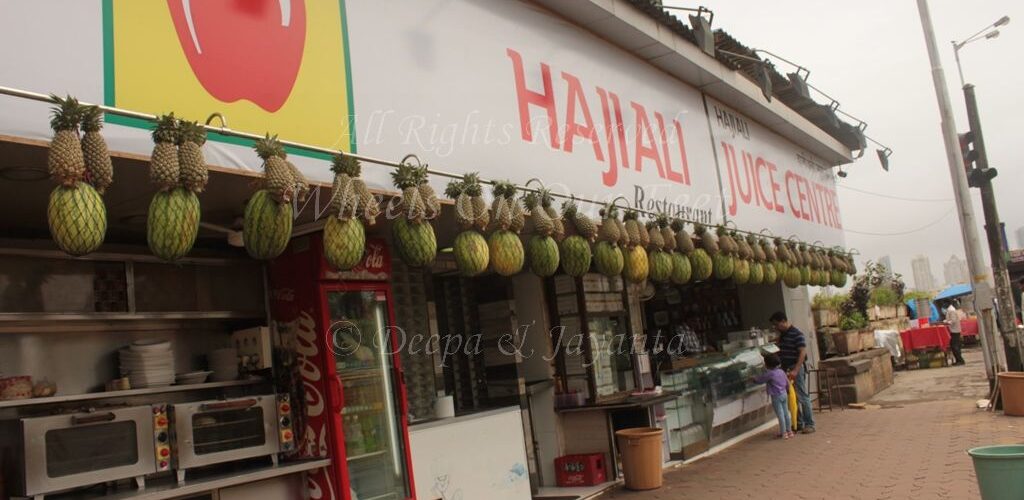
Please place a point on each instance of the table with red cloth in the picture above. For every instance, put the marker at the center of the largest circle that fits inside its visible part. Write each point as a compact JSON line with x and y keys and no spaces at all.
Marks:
{"x":969,"y":327}
{"x":925,"y":337}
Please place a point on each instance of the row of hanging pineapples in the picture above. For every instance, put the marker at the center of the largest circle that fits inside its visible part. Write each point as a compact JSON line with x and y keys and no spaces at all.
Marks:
{"x":660,"y":249}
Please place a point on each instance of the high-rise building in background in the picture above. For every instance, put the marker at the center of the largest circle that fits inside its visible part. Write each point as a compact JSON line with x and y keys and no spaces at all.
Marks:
{"x":1020,"y":237}
{"x":886,"y":262}
{"x":954,"y":271}
{"x":924,"y":280}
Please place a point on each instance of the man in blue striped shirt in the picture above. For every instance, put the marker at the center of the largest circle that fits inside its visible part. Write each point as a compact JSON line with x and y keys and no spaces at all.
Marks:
{"x":793,"y":353}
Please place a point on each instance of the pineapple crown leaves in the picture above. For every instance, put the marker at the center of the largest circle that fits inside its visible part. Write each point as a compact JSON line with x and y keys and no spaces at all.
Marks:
{"x":471,"y":183}
{"x":630,"y":215}
{"x":531,"y":201}
{"x":406,"y":176}
{"x":651,"y":224}
{"x":721,"y":230}
{"x":344,"y":164}
{"x":661,"y":220}
{"x":421,"y":174}
{"x":569,"y":208}
{"x":609,"y":212}
{"x":190,"y":132}
{"x":677,"y":225}
{"x":699,"y":229}
{"x":455,"y":189}
{"x":92,"y":119}
{"x":751,"y":239}
{"x":510,"y":190}
{"x":66,"y":115}
{"x":166,"y":129}
{"x":545,"y":197}
{"x":268,"y":147}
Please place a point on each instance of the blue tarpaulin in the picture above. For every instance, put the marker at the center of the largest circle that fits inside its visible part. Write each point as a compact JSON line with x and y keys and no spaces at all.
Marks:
{"x":953,"y":292}
{"x":933,"y":317}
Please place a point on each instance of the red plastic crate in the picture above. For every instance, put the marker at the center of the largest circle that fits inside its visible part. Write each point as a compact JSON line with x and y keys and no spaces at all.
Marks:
{"x":580,"y":470}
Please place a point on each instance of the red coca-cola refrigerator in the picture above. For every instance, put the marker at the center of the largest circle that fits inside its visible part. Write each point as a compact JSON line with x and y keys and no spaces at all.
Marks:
{"x":345,"y":370}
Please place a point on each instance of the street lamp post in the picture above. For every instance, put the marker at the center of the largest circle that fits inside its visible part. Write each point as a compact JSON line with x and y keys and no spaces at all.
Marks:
{"x":979,"y":278}
{"x":980,"y":176}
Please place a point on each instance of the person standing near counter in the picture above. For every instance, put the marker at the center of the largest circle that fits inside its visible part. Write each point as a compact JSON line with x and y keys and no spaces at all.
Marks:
{"x":793,"y":354}
{"x":778,"y":391}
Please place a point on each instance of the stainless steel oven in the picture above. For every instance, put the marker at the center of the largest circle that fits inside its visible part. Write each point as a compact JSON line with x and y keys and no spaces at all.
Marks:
{"x":211,"y":432}
{"x":67,"y":451}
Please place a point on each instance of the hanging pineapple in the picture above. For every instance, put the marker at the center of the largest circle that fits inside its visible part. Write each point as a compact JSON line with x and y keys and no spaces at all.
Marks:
{"x":636,"y":266}
{"x":558,"y":225}
{"x":430,"y":199}
{"x":477,"y":209}
{"x":724,"y":261}
{"x":267,"y":224}
{"x":756,"y":259}
{"x":701,"y":258}
{"x":76,"y":214}
{"x":94,"y":150}
{"x":741,"y":262}
{"x":412,"y":233}
{"x":575,"y":251}
{"x":659,"y":254}
{"x":192,"y":165}
{"x":508,"y":218}
{"x":472,"y":254}
{"x":771,"y":273}
{"x":805,"y":264}
{"x":299,"y":181}
{"x":164,"y":167}
{"x":608,"y":257}
{"x":344,"y":232}
{"x":542,"y":248}
{"x":682,"y":270}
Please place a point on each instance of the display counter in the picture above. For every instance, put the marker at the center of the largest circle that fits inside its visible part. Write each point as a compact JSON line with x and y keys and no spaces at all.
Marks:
{"x":717,"y":400}
{"x":481,"y":455}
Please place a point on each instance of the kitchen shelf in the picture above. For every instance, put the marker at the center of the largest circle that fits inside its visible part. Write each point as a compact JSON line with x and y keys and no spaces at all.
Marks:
{"x":123,"y":394}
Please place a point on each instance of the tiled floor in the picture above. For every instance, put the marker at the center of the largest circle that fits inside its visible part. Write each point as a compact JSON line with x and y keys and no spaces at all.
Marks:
{"x":913,"y":447}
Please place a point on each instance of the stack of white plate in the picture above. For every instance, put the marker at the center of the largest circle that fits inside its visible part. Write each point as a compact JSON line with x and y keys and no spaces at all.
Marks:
{"x":224,"y":364}
{"x":148,"y":363}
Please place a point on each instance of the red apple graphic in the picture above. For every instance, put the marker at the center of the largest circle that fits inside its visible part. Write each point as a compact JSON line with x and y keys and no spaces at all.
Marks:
{"x":243,"y":49}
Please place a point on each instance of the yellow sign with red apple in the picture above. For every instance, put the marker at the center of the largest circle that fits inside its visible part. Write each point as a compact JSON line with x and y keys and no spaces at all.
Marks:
{"x":267,"y":65}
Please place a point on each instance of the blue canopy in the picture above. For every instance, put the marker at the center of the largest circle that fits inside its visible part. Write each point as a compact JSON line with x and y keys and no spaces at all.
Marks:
{"x":953,"y":292}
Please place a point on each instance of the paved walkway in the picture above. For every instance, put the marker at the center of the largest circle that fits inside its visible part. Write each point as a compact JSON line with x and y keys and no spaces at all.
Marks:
{"x":910,"y":448}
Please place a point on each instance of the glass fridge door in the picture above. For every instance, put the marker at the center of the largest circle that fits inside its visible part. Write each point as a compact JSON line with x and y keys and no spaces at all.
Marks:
{"x":372,"y":427}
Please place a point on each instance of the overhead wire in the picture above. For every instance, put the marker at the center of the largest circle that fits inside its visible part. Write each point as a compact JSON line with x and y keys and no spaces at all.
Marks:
{"x":904,"y":233}
{"x":899,"y":198}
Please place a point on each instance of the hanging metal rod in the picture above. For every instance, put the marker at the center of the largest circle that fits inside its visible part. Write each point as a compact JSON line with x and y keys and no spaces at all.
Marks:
{"x":224,"y":130}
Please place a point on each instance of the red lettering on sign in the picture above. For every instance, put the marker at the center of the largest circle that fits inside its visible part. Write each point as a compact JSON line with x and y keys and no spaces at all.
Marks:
{"x":649,"y":150}
{"x":528,"y":97}
{"x":610,"y":176}
{"x":572,"y":128}
{"x":669,"y":174}
{"x":775,"y":188}
{"x":682,"y":152}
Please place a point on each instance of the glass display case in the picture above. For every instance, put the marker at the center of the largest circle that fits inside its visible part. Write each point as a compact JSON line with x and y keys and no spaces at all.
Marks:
{"x":688,"y":417}
{"x":718,"y":400}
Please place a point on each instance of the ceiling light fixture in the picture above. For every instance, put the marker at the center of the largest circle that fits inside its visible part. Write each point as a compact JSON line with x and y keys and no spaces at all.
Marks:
{"x":701,"y":27}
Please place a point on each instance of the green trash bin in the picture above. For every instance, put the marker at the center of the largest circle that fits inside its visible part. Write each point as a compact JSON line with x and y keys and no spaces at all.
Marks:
{"x":1000,"y":471}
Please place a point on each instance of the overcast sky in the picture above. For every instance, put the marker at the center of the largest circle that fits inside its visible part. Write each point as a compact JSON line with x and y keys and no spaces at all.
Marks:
{"x":870,"y":56}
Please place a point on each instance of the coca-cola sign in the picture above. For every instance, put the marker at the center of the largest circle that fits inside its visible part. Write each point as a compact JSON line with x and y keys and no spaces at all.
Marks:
{"x":375,"y":266}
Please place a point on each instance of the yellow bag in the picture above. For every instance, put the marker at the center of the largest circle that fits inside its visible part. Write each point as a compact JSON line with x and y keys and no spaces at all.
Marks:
{"x":792,"y":404}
